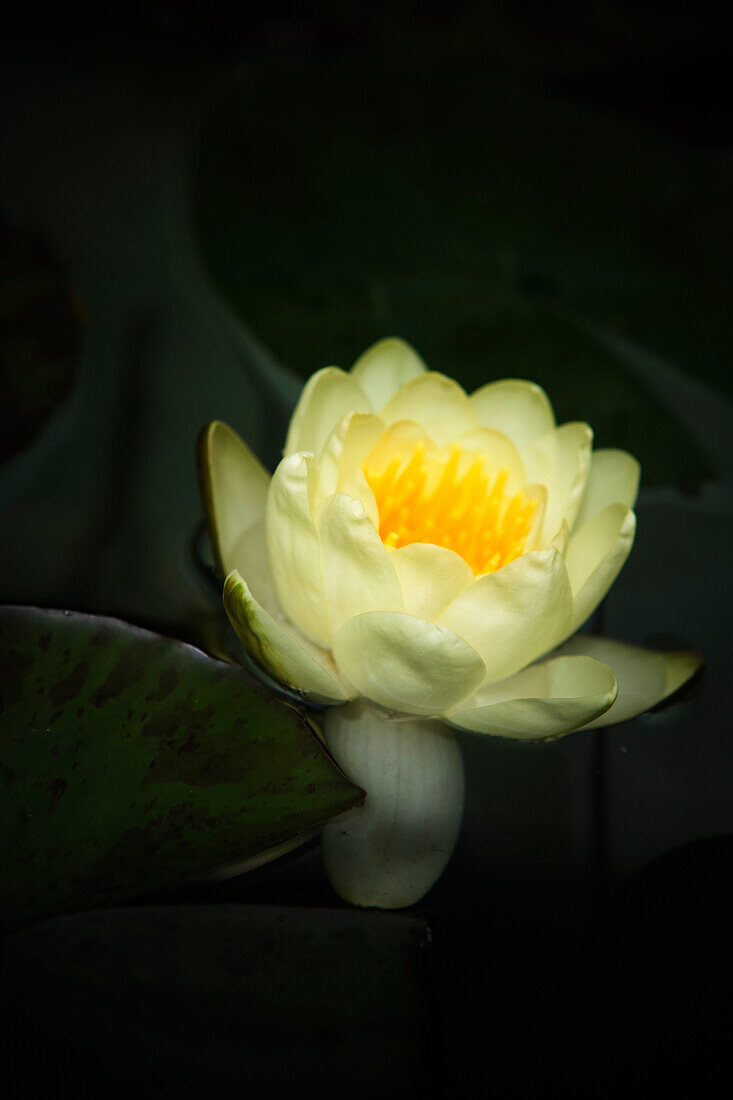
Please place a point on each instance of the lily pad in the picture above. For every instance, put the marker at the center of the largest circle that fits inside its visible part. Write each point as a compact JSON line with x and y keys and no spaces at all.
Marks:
{"x":130,"y":761}
{"x":340,"y":202}
{"x":211,"y":995}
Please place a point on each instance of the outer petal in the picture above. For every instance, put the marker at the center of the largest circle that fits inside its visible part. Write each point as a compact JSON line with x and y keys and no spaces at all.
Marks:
{"x":430,"y":577}
{"x":438,"y":403}
{"x":392,"y":849}
{"x":234,"y":489}
{"x":595,"y":555}
{"x":384,"y":368}
{"x":327,"y":397}
{"x":406,"y":664}
{"x":287,"y":657}
{"x":513,"y":616}
{"x":561,"y":461}
{"x":645,"y":676}
{"x":543,"y":701}
{"x":249,"y":558}
{"x":292,"y":546}
{"x":613,"y":479}
{"x":357,"y":571}
{"x":517,"y":408}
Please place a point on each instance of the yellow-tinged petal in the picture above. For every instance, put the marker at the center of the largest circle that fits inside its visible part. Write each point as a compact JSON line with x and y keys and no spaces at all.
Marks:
{"x":437,"y":403}
{"x":292,"y":547}
{"x":430,"y":577}
{"x":534,"y":540}
{"x":347,"y":446}
{"x":397,"y":442}
{"x":358,"y":488}
{"x":361,"y":435}
{"x":561,"y":539}
{"x":513,"y":616}
{"x":645,"y":676}
{"x":613,"y":479}
{"x":233,"y":487}
{"x":357,"y":572}
{"x":328,"y":396}
{"x":561,"y":461}
{"x":546,"y":700}
{"x":517,"y":408}
{"x":406,"y":664}
{"x":384,"y":368}
{"x":679,"y":667}
{"x":499,"y":453}
{"x":595,"y":555}
{"x":278,"y":649}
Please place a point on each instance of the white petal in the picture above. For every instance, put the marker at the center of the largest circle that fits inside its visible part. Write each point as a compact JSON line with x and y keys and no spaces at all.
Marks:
{"x":437,"y":403}
{"x":545,"y":700}
{"x":561,"y":539}
{"x":234,"y":487}
{"x":513,"y":616}
{"x":389,"y":851}
{"x":289,"y":658}
{"x":561,"y":461}
{"x":430,"y":577}
{"x":519,"y":409}
{"x":613,"y":479}
{"x":384,"y":368}
{"x":346,"y":448}
{"x":357,"y":573}
{"x":327,"y":397}
{"x":358,"y":488}
{"x":595,"y":555}
{"x":645,"y":676}
{"x":362,"y":434}
{"x":406,"y":664}
{"x":292,"y":548}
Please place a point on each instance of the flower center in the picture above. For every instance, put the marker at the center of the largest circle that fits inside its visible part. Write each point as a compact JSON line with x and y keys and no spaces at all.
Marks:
{"x":451,"y":502}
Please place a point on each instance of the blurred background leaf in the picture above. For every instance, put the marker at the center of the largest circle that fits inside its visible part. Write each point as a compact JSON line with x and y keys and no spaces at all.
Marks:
{"x":40,"y":337}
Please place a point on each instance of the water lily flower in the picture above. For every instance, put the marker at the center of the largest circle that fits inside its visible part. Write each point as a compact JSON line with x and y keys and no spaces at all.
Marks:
{"x":423,"y":559}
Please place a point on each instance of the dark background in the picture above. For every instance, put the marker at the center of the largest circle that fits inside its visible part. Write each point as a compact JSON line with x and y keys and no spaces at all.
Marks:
{"x":204,"y":206}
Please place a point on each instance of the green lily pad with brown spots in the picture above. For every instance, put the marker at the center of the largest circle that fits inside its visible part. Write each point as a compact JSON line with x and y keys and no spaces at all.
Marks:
{"x":130,"y":762}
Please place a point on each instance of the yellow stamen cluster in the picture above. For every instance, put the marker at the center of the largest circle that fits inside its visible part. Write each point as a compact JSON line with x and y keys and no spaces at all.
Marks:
{"x":425,"y":499}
